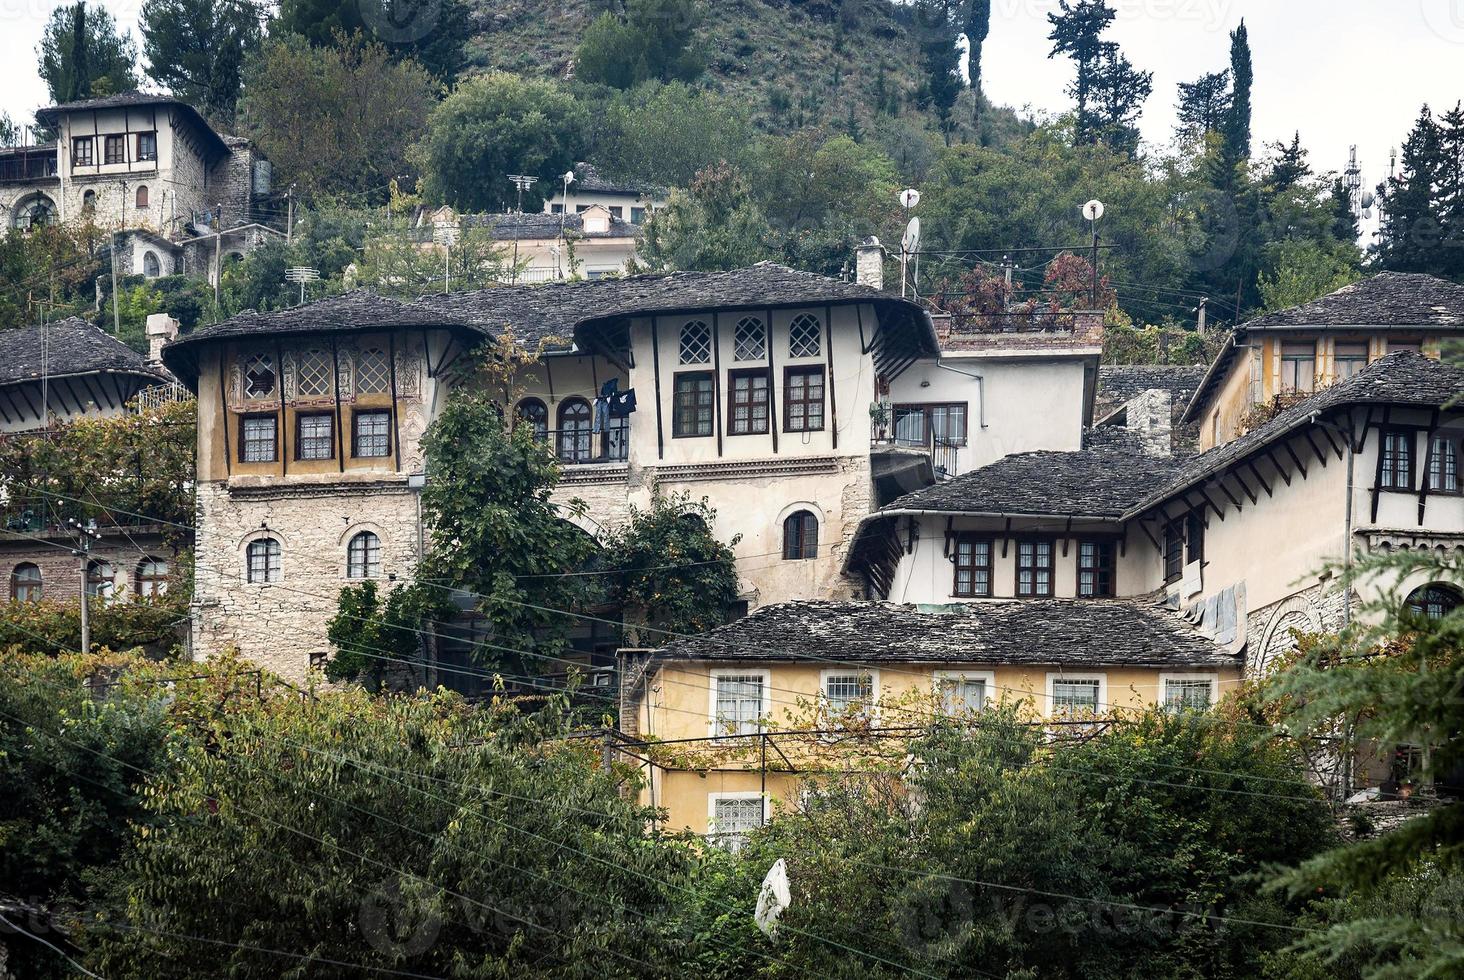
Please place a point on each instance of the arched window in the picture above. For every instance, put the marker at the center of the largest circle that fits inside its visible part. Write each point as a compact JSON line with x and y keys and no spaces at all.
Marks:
{"x":263,"y":561}
{"x":34,"y":212}
{"x":800,"y":536}
{"x":535,"y":414}
{"x":804,"y":336}
{"x":101,"y":580}
{"x":150,"y":265}
{"x":373,"y":374}
{"x":314,"y":378}
{"x":142,"y":195}
{"x":89,"y":202}
{"x":1435,"y":600}
{"x":696,"y":343}
{"x":575,"y":422}
{"x":750,"y":340}
{"x":25,"y":582}
{"x":363,"y":556}
{"x":152,"y":577}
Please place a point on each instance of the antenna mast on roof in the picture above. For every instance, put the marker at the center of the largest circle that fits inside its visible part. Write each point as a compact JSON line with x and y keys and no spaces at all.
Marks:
{"x":524,"y":183}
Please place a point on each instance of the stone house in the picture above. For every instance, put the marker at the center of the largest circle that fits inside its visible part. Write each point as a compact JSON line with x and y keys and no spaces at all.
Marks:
{"x":58,"y":372}
{"x":179,"y":196}
{"x":1284,"y":356}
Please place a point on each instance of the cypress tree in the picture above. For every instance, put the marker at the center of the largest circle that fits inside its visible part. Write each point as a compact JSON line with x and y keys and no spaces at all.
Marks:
{"x":1411,"y":231}
{"x":1203,"y":105}
{"x":1077,"y":33}
{"x":1238,"y":119}
{"x":1450,"y":206}
{"x":978,"y":26}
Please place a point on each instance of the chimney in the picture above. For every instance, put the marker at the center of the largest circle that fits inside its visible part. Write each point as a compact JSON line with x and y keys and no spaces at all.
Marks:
{"x":869,"y":263}
{"x":161,"y":328}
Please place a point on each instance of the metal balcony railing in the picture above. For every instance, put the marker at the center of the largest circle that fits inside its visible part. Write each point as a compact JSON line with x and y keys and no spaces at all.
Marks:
{"x":578,"y":446}
{"x":944,"y":453}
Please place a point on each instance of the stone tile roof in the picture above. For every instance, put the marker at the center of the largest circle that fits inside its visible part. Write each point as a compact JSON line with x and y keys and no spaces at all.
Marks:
{"x":1406,"y":301}
{"x":565,"y":310}
{"x":68,"y":347}
{"x":123,"y":100}
{"x":1120,"y":383}
{"x":542,"y":227}
{"x":1399,"y":378}
{"x":1102,"y":481}
{"x":1036,"y":632}
{"x":1387,"y":300}
{"x":589,"y":179}
{"x":1079,"y":332}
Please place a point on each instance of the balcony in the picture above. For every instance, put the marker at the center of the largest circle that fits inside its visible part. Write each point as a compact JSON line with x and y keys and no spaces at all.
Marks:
{"x":580,"y":447}
{"x":27,"y":164}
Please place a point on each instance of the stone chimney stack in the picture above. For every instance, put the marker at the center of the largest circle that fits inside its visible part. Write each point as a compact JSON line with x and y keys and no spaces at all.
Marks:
{"x":869,"y":263}
{"x":161,"y":328}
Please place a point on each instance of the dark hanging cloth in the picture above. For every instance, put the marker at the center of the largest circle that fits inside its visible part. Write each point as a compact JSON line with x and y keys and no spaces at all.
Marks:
{"x":622,"y":404}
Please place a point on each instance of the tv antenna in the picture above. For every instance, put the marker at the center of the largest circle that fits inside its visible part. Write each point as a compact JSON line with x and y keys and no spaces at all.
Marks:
{"x":302,"y":274}
{"x":523,"y":182}
{"x":1093,"y":210}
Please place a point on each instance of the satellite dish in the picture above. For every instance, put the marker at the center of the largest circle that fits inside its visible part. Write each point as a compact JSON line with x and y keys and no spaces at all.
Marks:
{"x":909,"y":198}
{"x":569,"y":177}
{"x":911,"y":241}
{"x":1093,"y":210}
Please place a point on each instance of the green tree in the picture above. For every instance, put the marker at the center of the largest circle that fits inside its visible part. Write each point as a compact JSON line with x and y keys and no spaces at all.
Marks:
{"x":1203,"y":106}
{"x":940,"y":60}
{"x":977,"y":28}
{"x":197,"y":49}
{"x":667,"y":134}
{"x":652,"y":41}
{"x":1236,"y":133}
{"x":428,"y":33}
{"x":9,"y":131}
{"x":494,"y":531}
{"x":1304,"y":270}
{"x":671,"y":573}
{"x":396,"y":263}
{"x":493,"y":126}
{"x":348,"y":834}
{"x":1396,"y":671}
{"x":83,"y":55}
{"x":1077,"y":34}
{"x":715,"y":224}
{"x":1118,"y":93}
{"x":335,"y":119}
{"x":377,"y":638}
{"x":1411,"y":229}
{"x":1288,"y":167}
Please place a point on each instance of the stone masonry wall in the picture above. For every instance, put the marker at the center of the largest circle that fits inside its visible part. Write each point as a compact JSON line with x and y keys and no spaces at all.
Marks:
{"x":279,"y":626}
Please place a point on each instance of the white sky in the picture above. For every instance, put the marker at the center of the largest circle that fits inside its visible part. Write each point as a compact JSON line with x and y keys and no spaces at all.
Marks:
{"x":1342,"y":71}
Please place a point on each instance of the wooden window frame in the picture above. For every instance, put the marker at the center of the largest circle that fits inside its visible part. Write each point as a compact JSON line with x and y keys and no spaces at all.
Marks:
{"x":244,"y":420}
{"x":805,"y":371}
{"x":803,"y":515}
{"x":356,"y":416}
{"x":142,"y":156}
{"x":677,"y":418}
{"x":734,"y":402}
{"x":90,"y":157}
{"x":17,"y":583}
{"x":1338,"y":359}
{"x":366,"y":549}
{"x":151,"y":584}
{"x":1194,"y":537}
{"x":1105,"y":566}
{"x":300,"y":419}
{"x":108,"y":142}
{"x":1410,"y":440}
{"x":279,"y":554}
{"x":1296,"y":358}
{"x":1173,"y":541}
{"x":957,"y":567}
{"x":1050,"y":568}
{"x":1434,"y":459}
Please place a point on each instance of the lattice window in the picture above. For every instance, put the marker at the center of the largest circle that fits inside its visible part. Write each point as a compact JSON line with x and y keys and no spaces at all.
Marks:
{"x":733,"y":819}
{"x":696,"y":343}
{"x":750,"y":340}
{"x":1075,"y":696}
{"x":259,"y":376}
{"x":849,"y":696}
{"x":1187,"y":694}
{"x":739,"y":704}
{"x":313,"y":378}
{"x":804,"y":336}
{"x":373,"y":374}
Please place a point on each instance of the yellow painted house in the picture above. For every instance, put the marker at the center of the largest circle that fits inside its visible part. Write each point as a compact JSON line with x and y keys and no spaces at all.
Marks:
{"x":738,"y":718}
{"x":1293,"y":352}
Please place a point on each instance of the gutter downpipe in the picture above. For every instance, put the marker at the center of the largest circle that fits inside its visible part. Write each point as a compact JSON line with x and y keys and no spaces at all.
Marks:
{"x":980,"y":389}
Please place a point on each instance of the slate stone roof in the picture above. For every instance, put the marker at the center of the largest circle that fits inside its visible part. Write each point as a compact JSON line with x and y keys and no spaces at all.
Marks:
{"x":1387,"y":300}
{"x":588,"y":179}
{"x":1102,"y":481}
{"x":1120,"y":383}
{"x":540,"y":227}
{"x":1399,"y":378}
{"x":71,"y":346}
{"x":1037,"y":632}
{"x":123,"y":100}
{"x":564,"y":310}
{"x":1406,"y":301}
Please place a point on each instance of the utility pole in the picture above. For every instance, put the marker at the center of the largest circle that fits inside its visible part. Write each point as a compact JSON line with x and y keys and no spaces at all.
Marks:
{"x":84,"y":536}
{"x":290,"y":214}
{"x":1200,"y":325}
{"x":1093,"y":210}
{"x":116,"y":307}
{"x":218,"y":252}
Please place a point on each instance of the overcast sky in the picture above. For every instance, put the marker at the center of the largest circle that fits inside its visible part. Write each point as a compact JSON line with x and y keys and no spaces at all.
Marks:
{"x":1341,"y":71}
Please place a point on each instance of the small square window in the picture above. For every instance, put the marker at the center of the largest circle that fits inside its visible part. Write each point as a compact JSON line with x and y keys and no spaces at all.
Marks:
{"x":737,"y":703}
{"x":1188,"y":693}
{"x":1349,"y":358}
{"x":315,"y":436}
{"x":371,"y":435}
{"x":848,"y":696}
{"x":1076,"y":696}
{"x":734,"y":816}
{"x":257,"y":439}
{"x":1298,"y":366}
